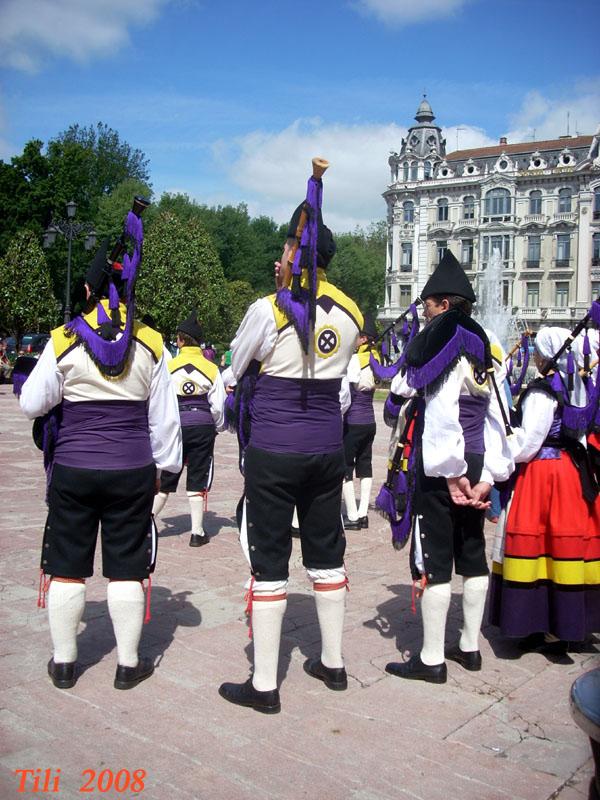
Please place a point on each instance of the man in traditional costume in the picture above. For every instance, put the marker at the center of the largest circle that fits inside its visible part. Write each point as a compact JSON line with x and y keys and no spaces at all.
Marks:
{"x":546,"y":571}
{"x":201,"y":396}
{"x":459,"y":450}
{"x":360,"y":428}
{"x":303,"y":338}
{"x":111,"y":425}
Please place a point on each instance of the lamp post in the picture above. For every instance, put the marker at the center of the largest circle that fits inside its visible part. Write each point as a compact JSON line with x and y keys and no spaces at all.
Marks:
{"x":70,"y":230}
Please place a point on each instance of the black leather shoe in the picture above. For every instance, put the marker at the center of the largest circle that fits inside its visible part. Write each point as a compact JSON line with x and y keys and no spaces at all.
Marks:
{"x":128,"y":677}
{"x":351,"y":524}
{"x":62,"y":675}
{"x":364,"y":522}
{"x":468,"y":660}
{"x":198,"y":539}
{"x":416,"y":670}
{"x":333,"y":677}
{"x":244,"y":694}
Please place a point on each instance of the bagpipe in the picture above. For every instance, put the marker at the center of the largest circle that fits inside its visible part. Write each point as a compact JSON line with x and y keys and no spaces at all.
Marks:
{"x":397,"y":340}
{"x":519,"y":356}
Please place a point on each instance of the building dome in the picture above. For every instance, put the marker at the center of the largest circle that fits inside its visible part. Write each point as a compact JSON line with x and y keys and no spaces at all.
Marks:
{"x":424,"y":112}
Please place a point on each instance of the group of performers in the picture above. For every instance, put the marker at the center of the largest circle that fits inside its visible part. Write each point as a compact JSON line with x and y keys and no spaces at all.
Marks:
{"x":117,"y":419}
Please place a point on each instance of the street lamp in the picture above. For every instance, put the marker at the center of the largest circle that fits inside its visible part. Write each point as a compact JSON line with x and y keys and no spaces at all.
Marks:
{"x":70,"y":230}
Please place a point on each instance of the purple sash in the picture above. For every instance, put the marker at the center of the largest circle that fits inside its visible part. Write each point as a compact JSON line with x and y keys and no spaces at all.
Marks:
{"x":471,"y":416}
{"x":194,"y":411}
{"x":104,"y":434}
{"x":361,"y":407}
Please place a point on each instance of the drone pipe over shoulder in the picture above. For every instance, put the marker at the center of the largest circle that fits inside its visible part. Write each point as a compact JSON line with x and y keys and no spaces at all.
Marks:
{"x":593,"y":315}
{"x":140,"y":204}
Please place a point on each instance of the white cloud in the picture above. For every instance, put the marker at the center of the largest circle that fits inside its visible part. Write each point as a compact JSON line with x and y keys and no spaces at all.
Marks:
{"x":271,"y":169}
{"x":32,"y":30}
{"x":405,"y":12}
{"x":547,"y":117}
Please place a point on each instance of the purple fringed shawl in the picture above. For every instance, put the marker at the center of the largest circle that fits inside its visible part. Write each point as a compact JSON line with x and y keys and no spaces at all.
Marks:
{"x":463,"y":343}
{"x":111,"y":355}
{"x":298,"y":304}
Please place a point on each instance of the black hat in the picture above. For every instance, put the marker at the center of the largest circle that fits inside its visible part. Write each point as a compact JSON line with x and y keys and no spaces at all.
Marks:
{"x":368,"y":328}
{"x":325,"y":242}
{"x":191,"y":327}
{"x":449,"y":278}
{"x":99,"y":271}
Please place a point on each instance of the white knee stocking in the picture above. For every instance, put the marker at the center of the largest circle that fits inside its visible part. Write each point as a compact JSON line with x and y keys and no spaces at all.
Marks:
{"x":350,"y":500}
{"x":267,"y":617}
{"x":66,"y":602}
{"x":365,"y":494}
{"x":473,"y":603}
{"x":126,"y":609}
{"x":159,"y":502}
{"x":196,"y":512}
{"x":331,"y":606}
{"x":434,"y":609}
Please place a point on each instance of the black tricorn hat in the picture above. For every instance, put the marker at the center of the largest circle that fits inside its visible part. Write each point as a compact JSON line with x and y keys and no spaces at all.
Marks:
{"x":368,"y":328}
{"x":449,"y":278}
{"x":191,"y":327}
{"x":326,"y":246}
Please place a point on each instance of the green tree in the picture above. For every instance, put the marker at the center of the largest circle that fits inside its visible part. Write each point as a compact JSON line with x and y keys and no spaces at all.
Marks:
{"x":181,"y":271}
{"x":26,"y":299}
{"x":113,"y":208}
{"x":240,"y":294}
{"x":358,"y":267}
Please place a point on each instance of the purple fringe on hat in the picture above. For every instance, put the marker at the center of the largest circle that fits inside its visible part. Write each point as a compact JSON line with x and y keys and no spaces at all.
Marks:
{"x":463,"y":343}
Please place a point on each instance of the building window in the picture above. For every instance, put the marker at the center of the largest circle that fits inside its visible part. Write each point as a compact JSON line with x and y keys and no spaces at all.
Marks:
{"x":535,"y":202}
{"x":497,"y":202}
{"x":563,"y":248}
{"x":491,"y":243}
{"x":441,"y":248}
{"x":405,"y":295}
{"x":406,"y":257}
{"x":507,"y":293}
{"x":532,"y":297}
{"x":597,"y":202}
{"x":534,"y":246}
{"x":428,"y":170}
{"x":442,"y":209}
{"x":466,"y":252}
{"x":414,"y":170}
{"x":389,"y":295}
{"x":596,"y":250}
{"x":405,"y":171}
{"x":408,"y":211}
{"x":564,"y":201}
{"x":561,"y":296}
{"x":469,"y":207}
{"x":595,"y":290}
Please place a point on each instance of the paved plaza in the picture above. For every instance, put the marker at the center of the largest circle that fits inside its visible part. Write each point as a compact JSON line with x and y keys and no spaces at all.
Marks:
{"x":505,"y":732}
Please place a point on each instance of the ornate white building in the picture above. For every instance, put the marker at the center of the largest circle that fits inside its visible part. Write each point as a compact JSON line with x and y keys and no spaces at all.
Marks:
{"x":537,"y":202}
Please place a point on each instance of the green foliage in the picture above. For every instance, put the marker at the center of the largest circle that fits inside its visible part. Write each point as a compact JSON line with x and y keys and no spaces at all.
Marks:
{"x":358,"y":267}
{"x":239,"y":296}
{"x":26,"y":299}
{"x":113,"y":208}
{"x":181,"y":271}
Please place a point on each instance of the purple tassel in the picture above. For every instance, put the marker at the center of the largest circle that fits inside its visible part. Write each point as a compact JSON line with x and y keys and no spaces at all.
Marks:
{"x":401,"y":486}
{"x":570,"y":370}
{"x":18,"y":382}
{"x":386,"y":503}
{"x":594,"y":312}
{"x":297,"y":310}
{"x":519,"y":357}
{"x":394,"y":342}
{"x":384,"y":349}
{"x":556,"y":383}
{"x":587,"y":348}
{"x":101,"y":316}
{"x":113,"y":296}
{"x":404,"y":331}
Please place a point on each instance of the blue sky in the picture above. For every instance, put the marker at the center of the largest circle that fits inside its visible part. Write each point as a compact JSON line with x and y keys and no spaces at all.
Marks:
{"x":230,"y":100}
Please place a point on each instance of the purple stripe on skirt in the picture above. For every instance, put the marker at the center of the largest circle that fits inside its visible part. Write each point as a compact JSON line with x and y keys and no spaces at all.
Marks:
{"x":570,"y":614}
{"x":110,"y":434}
{"x":291,"y":415}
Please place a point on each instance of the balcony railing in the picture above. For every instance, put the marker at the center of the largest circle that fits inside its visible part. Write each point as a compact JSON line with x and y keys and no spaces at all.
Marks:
{"x":562,"y":263}
{"x":441,"y":224}
{"x":533,"y":263}
{"x":565,"y":216}
{"x":528,"y":311}
{"x":596,"y":261}
{"x":540,"y":218}
{"x":560,"y":312}
{"x":405,"y":267}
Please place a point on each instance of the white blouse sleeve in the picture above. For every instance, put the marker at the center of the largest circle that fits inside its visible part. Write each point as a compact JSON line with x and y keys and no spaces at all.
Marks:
{"x":353,"y":373}
{"x":399,"y":386}
{"x":538,"y":413}
{"x":443,"y":440}
{"x":163,"y":420}
{"x":345,"y":397}
{"x":216,"y":399}
{"x":498,"y":461}
{"x":43,"y":388}
{"x":255,"y":338}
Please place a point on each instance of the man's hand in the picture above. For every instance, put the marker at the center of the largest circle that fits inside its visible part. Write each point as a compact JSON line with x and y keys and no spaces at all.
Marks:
{"x":480,"y":492}
{"x":460,"y":490}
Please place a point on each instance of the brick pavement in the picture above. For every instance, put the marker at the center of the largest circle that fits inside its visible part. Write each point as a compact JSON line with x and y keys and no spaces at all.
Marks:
{"x":505,"y":732}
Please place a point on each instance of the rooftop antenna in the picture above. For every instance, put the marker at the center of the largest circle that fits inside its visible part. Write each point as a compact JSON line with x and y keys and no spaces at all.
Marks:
{"x":457,"y":130}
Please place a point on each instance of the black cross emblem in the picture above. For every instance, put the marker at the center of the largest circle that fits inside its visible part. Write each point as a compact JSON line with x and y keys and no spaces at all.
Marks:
{"x":189,"y":387}
{"x":480,"y":377}
{"x":327,"y":341}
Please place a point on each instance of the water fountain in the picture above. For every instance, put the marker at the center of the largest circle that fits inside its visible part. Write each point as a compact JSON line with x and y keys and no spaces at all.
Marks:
{"x":489,"y":309}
